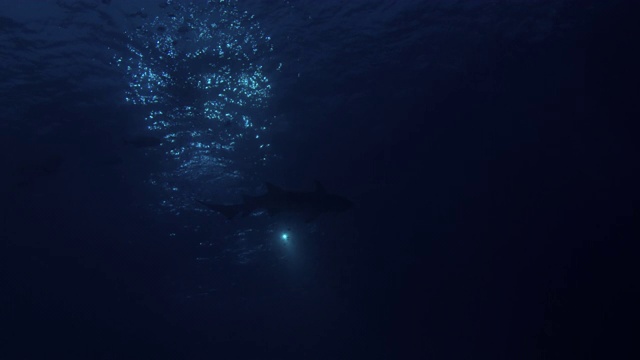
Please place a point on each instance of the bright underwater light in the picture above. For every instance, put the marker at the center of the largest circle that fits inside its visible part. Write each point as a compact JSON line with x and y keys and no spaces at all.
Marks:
{"x":285,"y":238}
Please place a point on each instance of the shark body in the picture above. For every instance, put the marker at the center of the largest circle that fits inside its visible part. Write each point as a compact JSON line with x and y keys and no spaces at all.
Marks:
{"x":276,"y":200}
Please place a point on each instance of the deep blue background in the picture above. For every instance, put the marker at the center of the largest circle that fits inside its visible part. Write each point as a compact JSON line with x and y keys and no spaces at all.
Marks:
{"x":496,"y":209}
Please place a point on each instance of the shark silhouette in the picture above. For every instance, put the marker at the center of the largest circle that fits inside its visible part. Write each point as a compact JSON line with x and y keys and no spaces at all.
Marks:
{"x":276,"y":200}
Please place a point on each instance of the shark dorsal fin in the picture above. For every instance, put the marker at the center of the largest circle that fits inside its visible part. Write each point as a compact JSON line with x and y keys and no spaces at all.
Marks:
{"x":319,"y":188}
{"x":272,"y":189}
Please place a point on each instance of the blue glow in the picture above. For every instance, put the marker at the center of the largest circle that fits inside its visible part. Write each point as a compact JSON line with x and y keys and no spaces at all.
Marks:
{"x":285,"y":238}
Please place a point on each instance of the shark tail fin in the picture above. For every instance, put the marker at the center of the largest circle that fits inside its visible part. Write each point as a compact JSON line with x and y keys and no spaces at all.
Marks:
{"x":229,"y":211}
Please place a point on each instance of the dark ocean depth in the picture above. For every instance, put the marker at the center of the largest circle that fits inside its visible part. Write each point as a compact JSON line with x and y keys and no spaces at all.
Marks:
{"x":381,"y":179}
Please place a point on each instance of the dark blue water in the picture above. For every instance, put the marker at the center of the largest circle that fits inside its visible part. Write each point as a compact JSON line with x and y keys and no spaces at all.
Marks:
{"x":490,"y":149}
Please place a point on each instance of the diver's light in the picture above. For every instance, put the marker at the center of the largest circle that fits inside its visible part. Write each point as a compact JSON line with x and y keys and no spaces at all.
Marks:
{"x":285,"y":237}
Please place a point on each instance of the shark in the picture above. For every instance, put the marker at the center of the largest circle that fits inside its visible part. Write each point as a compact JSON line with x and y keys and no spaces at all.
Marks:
{"x":276,"y":200}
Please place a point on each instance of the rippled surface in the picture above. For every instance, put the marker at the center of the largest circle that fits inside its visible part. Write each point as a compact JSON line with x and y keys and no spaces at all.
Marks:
{"x":199,"y":70}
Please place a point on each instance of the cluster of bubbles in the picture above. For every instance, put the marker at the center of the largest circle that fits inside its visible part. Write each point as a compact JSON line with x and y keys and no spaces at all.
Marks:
{"x":199,"y":70}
